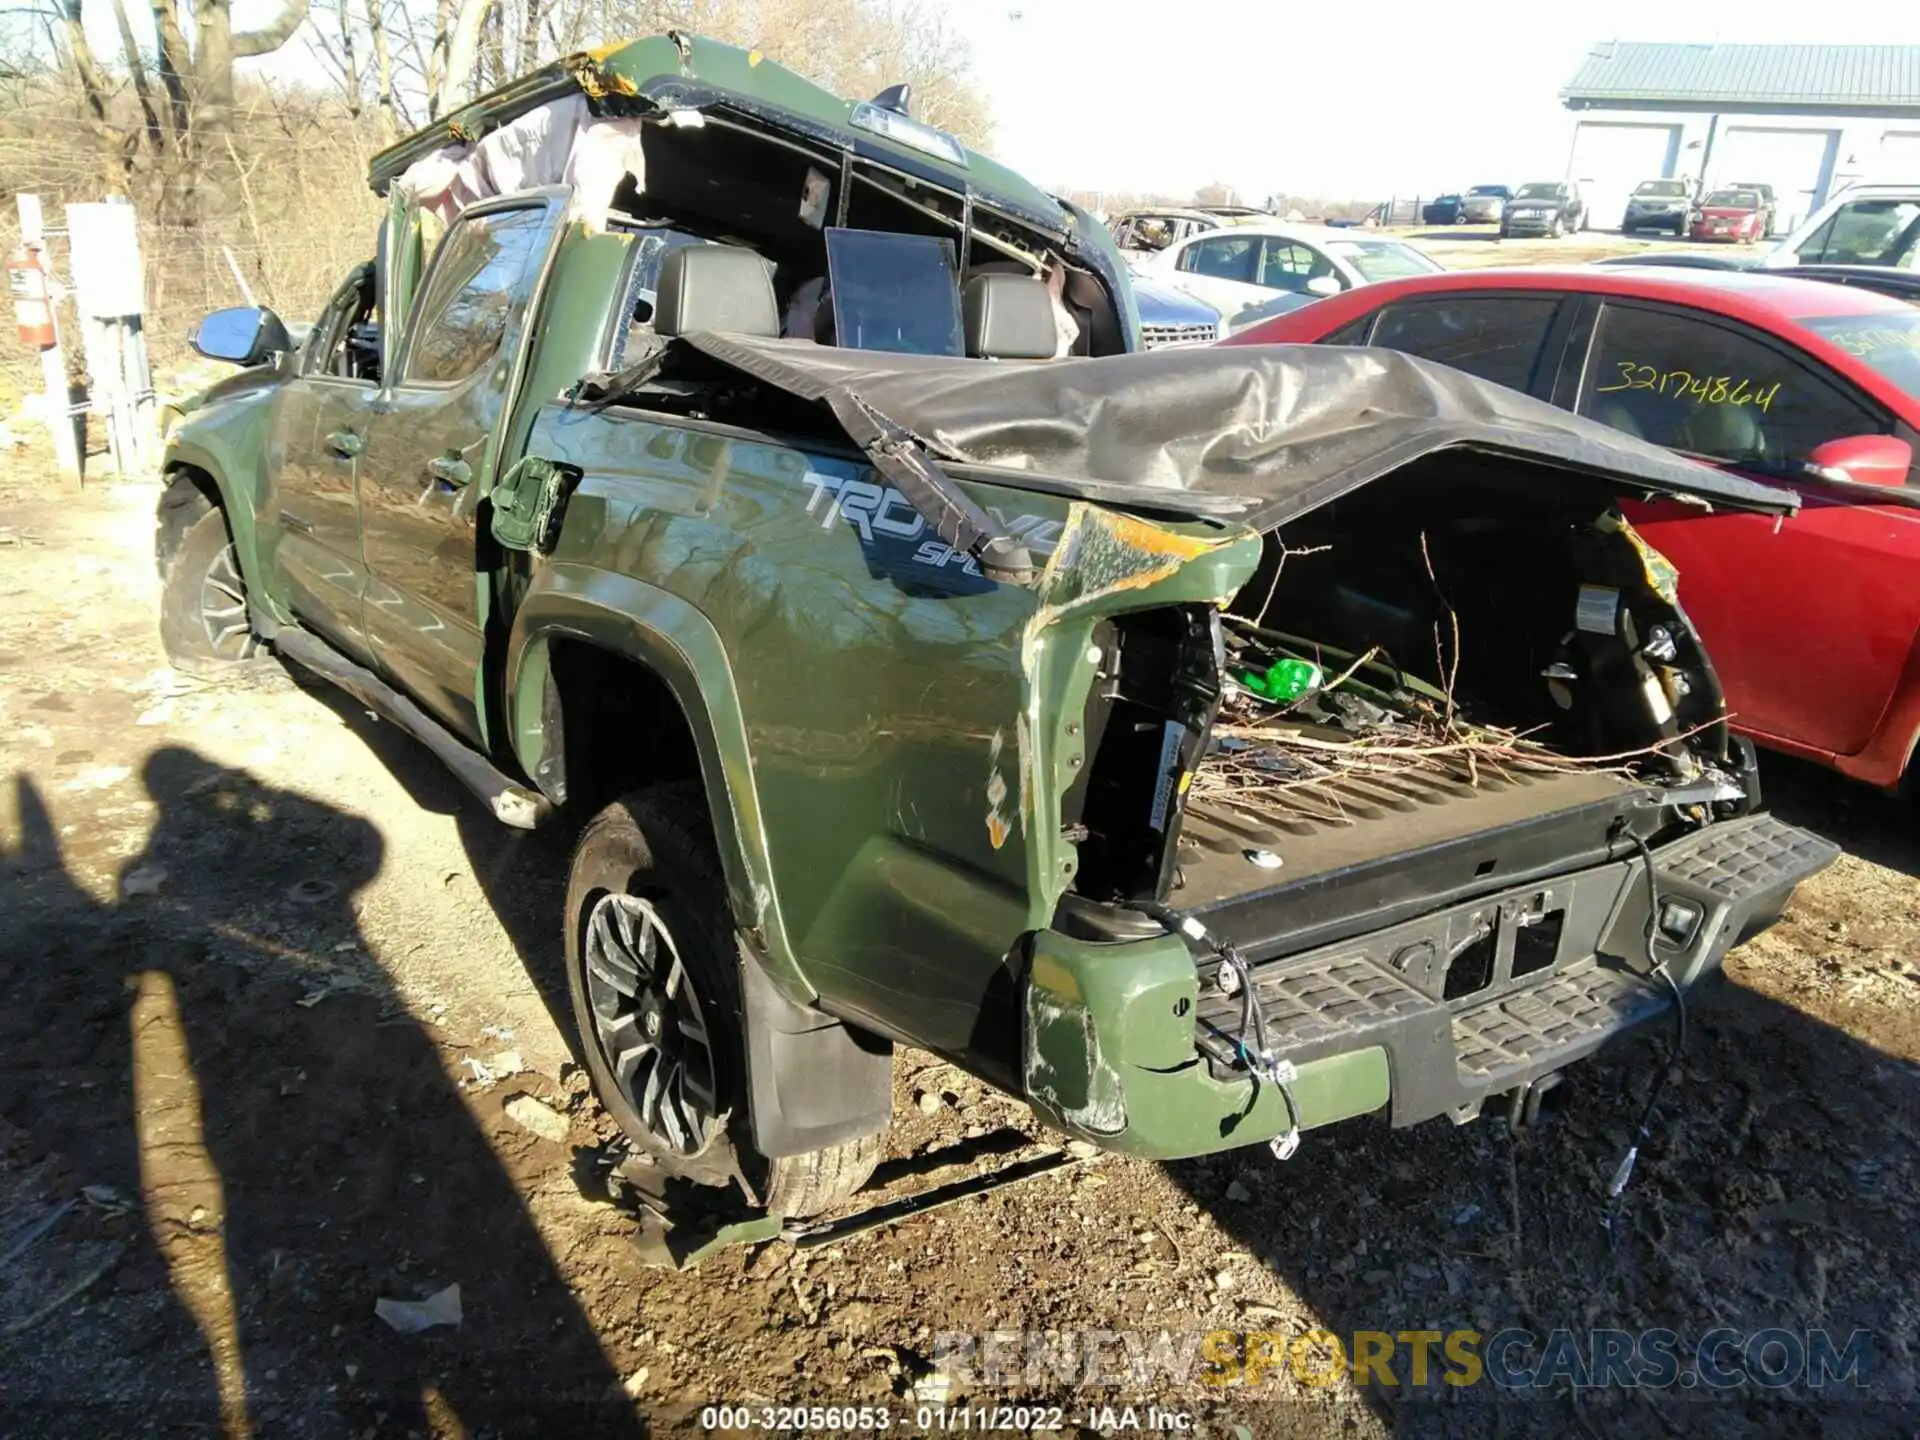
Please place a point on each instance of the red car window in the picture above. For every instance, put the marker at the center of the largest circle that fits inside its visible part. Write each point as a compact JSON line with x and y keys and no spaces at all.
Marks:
{"x":1686,"y":382}
{"x":1497,"y":337}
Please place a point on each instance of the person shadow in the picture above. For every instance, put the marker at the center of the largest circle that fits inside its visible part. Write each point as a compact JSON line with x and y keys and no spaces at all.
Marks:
{"x":220,"y":1049}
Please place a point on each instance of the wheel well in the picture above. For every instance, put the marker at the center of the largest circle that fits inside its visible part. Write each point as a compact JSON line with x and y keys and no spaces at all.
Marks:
{"x":622,"y":727}
{"x":190,"y":493}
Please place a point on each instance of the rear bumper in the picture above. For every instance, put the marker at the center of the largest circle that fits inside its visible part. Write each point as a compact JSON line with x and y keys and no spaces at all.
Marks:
{"x":1130,"y":1045}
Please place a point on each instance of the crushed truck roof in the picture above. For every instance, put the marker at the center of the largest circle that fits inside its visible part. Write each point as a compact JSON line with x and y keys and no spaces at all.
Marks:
{"x":1264,"y":433}
{"x":677,"y":71}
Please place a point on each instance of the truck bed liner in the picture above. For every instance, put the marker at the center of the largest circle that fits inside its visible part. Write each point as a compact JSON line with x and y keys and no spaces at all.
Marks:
{"x":1391,"y":849}
{"x":1351,"y":821}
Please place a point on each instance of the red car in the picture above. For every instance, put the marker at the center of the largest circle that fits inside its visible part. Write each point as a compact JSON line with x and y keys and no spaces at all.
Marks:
{"x":1812,"y":621}
{"x":1731,"y":215}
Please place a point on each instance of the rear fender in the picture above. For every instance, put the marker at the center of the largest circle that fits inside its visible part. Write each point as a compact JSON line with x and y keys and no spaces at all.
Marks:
{"x":673,"y":640}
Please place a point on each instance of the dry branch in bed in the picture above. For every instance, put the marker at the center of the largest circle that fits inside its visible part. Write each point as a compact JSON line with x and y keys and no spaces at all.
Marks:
{"x":1283,"y":765}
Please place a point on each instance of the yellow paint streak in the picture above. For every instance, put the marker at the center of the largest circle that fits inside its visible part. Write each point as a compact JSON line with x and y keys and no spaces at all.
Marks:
{"x":754,"y":57}
{"x":1152,"y":539}
{"x":185,"y":1200}
{"x":1661,"y":576}
{"x":1056,"y":979}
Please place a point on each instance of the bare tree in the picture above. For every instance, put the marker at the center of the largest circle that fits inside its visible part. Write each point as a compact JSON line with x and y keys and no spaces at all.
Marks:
{"x":93,"y":86}
{"x":219,"y":46}
{"x":136,"y":64}
{"x":384,"y":95}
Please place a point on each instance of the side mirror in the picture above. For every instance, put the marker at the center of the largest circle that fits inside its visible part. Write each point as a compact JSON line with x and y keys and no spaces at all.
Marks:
{"x":1324,"y":285}
{"x":1863,"y":460}
{"x":243,"y":336}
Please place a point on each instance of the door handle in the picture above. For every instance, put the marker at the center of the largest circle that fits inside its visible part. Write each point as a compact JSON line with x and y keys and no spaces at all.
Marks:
{"x":450,"y":470}
{"x":345,"y":444}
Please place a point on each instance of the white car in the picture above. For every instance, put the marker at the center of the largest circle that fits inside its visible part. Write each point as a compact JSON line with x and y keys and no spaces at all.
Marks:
{"x":1867,"y":225}
{"x":1252,"y":272}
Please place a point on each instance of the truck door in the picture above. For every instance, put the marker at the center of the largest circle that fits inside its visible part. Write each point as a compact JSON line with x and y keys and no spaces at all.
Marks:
{"x":315,"y":507}
{"x":425,"y":451}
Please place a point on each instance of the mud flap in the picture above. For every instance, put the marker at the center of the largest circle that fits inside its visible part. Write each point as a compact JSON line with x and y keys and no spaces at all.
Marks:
{"x":812,"y":1081}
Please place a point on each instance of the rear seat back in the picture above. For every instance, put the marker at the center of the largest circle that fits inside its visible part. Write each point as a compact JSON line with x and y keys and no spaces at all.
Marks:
{"x":1009,"y":317}
{"x":715,"y":287}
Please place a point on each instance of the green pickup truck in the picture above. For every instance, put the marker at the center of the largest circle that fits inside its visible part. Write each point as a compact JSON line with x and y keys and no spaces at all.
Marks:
{"x":778,"y":493}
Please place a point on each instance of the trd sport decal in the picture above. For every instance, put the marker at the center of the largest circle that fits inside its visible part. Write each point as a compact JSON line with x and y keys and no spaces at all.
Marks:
{"x":882,"y":513}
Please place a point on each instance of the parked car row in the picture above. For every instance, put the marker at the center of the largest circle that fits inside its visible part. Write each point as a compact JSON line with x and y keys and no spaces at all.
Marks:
{"x":1482,"y":205}
{"x":1741,"y":211}
{"x":1813,"y":624}
{"x":1252,"y":271}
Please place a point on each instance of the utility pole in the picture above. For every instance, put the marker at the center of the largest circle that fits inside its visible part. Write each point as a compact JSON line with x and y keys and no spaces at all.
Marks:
{"x":53,"y":358}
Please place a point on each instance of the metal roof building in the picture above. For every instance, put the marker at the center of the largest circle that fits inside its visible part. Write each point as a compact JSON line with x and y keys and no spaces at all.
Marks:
{"x":1806,"y":119}
{"x":1882,"y":80}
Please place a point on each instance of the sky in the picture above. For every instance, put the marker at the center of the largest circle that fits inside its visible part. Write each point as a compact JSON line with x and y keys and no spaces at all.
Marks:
{"x":1335,"y":101}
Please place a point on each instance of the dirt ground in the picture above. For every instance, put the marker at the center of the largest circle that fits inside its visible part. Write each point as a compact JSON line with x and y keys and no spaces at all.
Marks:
{"x":270,"y":982}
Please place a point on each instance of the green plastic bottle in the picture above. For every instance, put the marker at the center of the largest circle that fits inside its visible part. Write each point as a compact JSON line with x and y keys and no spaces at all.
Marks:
{"x":1285,"y":680}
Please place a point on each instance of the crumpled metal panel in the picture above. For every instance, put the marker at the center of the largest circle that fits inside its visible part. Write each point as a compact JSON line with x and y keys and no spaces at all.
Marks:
{"x":1279,"y":429}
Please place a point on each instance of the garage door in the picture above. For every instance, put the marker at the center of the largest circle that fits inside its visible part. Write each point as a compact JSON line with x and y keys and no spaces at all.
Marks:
{"x":1899,"y":157}
{"x":1609,"y":160}
{"x":1797,"y":163}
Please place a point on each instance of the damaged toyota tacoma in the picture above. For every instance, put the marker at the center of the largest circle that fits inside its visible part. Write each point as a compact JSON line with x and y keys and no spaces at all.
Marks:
{"x":1202,"y":746}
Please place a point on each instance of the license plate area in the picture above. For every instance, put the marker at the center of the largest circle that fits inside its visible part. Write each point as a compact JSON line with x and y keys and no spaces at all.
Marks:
{"x":1482,"y":950}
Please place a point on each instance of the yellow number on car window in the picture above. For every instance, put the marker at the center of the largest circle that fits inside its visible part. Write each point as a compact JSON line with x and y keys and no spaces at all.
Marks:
{"x":1677,"y":384}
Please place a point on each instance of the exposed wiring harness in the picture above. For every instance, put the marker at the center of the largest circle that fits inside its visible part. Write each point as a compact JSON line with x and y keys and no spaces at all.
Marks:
{"x":1233,"y":977}
{"x":1623,"y":1173}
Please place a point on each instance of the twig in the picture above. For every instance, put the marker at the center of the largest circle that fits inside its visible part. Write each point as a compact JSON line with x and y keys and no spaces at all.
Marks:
{"x":1347,"y":674}
{"x":1451,"y":669}
{"x":73,"y":1291}
{"x":34,"y":1232}
{"x":1274,"y":588}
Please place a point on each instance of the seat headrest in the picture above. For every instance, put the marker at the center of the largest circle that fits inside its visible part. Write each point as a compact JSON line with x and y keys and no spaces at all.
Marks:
{"x":1010,"y":317}
{"x":715,"y":287}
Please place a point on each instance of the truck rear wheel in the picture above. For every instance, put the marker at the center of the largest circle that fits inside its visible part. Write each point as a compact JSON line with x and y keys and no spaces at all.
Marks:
{"x":203,"y":600}
{"x":653,"y":970}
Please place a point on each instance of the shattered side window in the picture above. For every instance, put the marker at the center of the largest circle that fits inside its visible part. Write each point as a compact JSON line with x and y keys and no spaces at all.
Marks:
{"x":482,"y":270}
{"x":650,"y":249}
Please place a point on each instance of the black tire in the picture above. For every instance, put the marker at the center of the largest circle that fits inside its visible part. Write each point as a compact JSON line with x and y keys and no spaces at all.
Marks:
{"x":645,"y":867}
{"x":1557,"y":228}
{"x":203,"y":598}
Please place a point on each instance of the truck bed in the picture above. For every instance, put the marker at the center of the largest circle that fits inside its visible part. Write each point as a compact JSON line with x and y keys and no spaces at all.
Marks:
{"x":1358,"y":852}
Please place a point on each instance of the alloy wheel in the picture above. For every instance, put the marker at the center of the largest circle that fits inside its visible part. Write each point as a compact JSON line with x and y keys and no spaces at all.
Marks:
{"x":223,"y":608}
{"x":648,"y":1023}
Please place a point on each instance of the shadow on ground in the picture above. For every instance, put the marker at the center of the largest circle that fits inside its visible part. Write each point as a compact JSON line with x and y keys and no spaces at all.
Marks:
{"x":1870,"y":823}
{"x":282,"y":1143}
{"x":1778,"y":1193}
